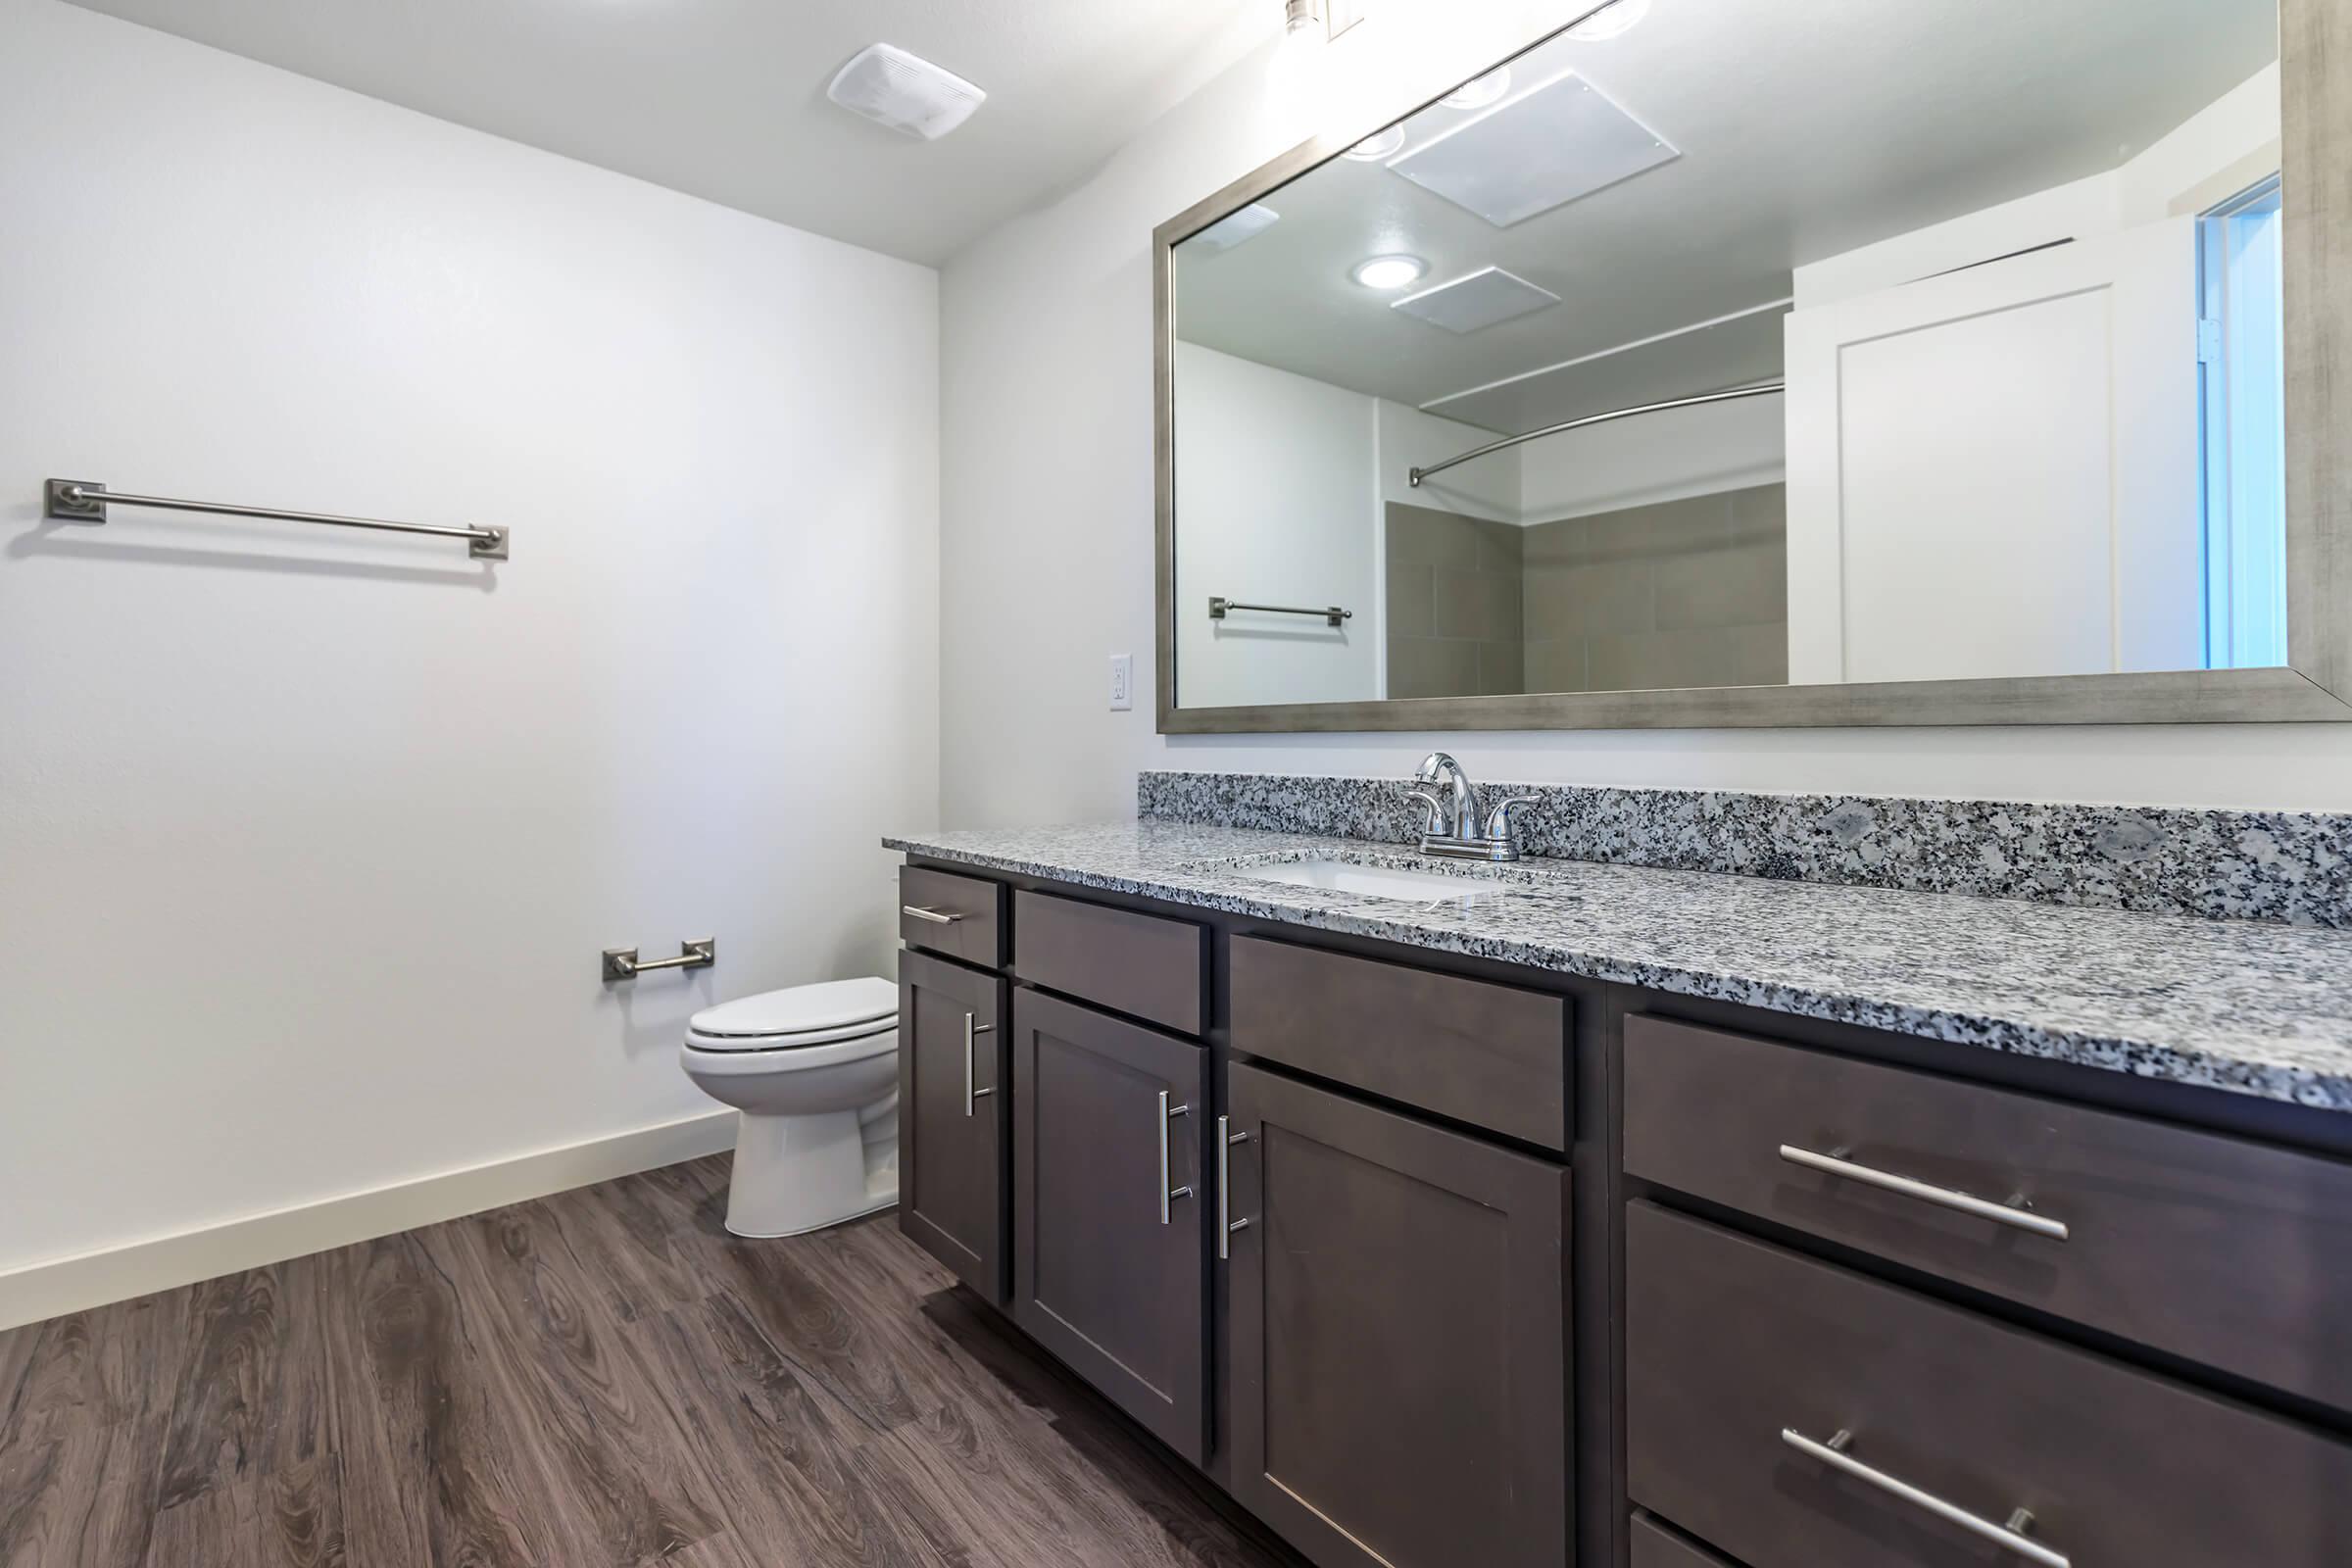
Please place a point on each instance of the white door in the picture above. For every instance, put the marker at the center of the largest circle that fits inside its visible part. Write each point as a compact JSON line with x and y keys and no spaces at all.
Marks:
{"x":1996,"y":472}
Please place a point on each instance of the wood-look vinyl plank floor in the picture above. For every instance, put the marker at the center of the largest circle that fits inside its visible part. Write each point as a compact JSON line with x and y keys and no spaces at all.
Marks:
{"x":601,"y":1379}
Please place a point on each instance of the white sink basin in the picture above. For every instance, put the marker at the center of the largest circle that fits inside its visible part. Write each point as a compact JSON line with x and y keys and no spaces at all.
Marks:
{"x":1372,"y":881}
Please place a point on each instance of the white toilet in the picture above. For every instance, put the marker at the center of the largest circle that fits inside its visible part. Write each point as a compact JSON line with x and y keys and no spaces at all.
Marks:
{"x":815,"y":1070}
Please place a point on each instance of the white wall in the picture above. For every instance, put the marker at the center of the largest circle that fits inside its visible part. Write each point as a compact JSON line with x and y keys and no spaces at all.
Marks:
{"x":1047,"y":329}
{"x":1277,"y":471}
{"x":309,"y":840}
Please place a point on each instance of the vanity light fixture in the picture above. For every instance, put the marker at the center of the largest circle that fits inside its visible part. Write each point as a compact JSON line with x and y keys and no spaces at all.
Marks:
{"x":1388,"y":271}
{"x":1379,"y":144}
{"x":1299,"y":16}
{"x":1480,"y":91}
{"x":1610,"y":21}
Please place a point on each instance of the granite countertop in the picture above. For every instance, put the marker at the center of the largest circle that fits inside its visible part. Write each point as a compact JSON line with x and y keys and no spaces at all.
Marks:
{"x":2252,"y":1008}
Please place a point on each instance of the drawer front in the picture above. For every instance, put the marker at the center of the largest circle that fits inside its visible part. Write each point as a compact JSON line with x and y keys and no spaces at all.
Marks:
{"x":1492,"y":1055}
{"x":1659,"y":1548}
{"x":2226,"y":1252}
{"x":961,"y":917}
{"x":1737,"y":1351}
{"x":1140,"y":965}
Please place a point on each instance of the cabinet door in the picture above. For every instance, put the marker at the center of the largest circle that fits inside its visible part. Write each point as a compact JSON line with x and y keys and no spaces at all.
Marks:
{"x":1108,"y":1203}
{"x":1400,"y":1334}
{"x":952,"y":1192}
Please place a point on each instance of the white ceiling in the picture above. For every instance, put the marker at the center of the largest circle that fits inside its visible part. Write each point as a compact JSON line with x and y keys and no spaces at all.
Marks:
{"x":725,"y":99}
{"x":1803,"y":131}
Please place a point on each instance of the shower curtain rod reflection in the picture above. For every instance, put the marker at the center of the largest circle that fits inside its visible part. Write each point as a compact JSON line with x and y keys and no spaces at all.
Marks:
{"x":1760,"y":389}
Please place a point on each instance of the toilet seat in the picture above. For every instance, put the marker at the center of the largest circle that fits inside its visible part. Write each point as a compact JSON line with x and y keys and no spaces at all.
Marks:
{"x":839,"y":1013}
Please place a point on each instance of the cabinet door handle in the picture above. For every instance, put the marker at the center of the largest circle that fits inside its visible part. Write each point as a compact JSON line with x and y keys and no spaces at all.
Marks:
{"x":2010,"y":1537}
{"x":935,"y":916}
{"x":973,"y":1029}
{"x":1168,"y":1113}
{"x":2009,"y":1214}
{"x":1226,"y":1223}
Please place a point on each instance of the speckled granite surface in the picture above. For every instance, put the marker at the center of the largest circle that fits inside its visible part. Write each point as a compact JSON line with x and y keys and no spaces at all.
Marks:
{"x":2293,"y":866}
{"x":2248,"y":1007}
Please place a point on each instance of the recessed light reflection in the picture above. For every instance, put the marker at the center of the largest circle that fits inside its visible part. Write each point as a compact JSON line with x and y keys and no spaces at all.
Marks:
{"x":1379,"y":144}
{"x":1388,"y":271}
{"x":1480,"y":91}
{"x":1610,"y":21}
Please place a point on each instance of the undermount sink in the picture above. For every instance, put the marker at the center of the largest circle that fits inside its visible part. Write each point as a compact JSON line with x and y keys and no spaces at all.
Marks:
{"x":1372,"y":881}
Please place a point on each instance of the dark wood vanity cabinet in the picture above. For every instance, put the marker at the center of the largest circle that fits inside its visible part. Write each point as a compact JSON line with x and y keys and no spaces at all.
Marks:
{"x":1111,"y":1200}
{"x":1402,"y":1338}
{"x":1398,"y":1334}
{"x":954,"y":1198}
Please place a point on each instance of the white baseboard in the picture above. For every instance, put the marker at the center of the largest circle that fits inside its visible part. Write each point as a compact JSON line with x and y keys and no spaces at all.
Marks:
{"x":64,"y":1285}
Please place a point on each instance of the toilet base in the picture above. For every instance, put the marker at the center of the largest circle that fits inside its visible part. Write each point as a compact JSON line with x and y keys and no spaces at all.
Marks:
{"x":797,"y":1174}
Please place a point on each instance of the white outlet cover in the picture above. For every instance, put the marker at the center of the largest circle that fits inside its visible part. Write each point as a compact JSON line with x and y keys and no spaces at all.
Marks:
{"x":1122,"y":683}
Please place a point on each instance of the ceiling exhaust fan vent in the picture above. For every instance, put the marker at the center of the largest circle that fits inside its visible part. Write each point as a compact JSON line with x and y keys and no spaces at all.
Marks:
{"x":905,"y":92}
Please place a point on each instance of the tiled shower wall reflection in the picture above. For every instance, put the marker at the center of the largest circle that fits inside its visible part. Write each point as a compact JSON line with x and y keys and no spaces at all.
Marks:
{"x":1677,"y":593}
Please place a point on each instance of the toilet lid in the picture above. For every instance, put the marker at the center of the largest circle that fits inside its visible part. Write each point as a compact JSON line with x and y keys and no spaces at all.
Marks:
{"x":834,"y":1009}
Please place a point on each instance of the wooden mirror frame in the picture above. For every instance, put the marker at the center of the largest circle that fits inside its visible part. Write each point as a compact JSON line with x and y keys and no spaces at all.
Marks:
{"x":2314,"y":685}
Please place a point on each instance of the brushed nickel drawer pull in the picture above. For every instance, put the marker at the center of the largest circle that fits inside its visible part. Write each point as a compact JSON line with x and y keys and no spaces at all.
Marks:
{"x":2010,"y":1537}
{"x":2008,"y":1214}
{"x":1226,"y":1223}
{"x":973,"y":1028}
{"x":1168,"y":1113}
{"x":935,"y":916}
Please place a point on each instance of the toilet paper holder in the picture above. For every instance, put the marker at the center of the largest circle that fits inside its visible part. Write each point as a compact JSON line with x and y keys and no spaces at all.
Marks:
{"x":622,"y":964}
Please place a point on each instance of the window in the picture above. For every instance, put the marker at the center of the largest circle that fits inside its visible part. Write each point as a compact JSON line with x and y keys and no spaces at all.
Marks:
{"x":2241,"y":344}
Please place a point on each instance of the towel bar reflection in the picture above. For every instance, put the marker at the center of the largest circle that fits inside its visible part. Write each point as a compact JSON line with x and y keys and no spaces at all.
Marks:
{"x":81,"y":501}
{"x":622,"y":964}
{"x":1332,"y":615}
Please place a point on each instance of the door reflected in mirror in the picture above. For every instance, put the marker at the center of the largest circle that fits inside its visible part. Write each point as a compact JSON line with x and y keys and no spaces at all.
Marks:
{"x":1707,"y":348}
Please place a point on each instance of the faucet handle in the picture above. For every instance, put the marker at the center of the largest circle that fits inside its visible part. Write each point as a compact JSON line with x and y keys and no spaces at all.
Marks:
{"x":1500,"y":821}
{"x":1437,"y":810}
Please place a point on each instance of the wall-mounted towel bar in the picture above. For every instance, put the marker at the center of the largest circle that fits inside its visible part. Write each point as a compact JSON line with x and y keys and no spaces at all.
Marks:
{"x":622,"y":964}
{"x":1759,"y":390}
{"x":80,"y":501}
{"x":1333,"y":615}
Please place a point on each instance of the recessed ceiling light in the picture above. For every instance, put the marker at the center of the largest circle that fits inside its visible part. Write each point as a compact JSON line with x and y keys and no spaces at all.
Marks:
{"x":1610,"y":20}
{"x":1379,"y":144}
{"x":1388,"y":271}
{"x":1480,"y":91}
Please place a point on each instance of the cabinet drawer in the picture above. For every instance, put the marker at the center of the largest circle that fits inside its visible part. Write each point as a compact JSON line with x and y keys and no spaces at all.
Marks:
{"x":1737,"y":1351}
{"x":961,"y":917}
{"x":1139,"y":965}
{"x":2225,"y":1252}
{"x":1493,"y":1055}
{"x":1659,"y":1548}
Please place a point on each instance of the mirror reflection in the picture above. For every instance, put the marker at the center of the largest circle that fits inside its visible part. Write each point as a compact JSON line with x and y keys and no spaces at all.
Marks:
{"x":1714,"y":344}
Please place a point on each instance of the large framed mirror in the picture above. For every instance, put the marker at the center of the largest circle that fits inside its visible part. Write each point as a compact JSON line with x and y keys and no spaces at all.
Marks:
{"x":1714,"y":363}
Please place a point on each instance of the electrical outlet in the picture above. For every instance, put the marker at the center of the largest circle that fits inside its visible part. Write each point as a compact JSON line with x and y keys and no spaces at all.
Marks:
{"x":1122,"y":682}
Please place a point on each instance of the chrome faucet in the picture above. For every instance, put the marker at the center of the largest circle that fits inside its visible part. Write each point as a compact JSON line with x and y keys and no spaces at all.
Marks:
{"x":1458,"y":827}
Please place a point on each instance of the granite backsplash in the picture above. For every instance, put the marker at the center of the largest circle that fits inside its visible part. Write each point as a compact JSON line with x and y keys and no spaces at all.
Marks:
{"x":2290,"y":867}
